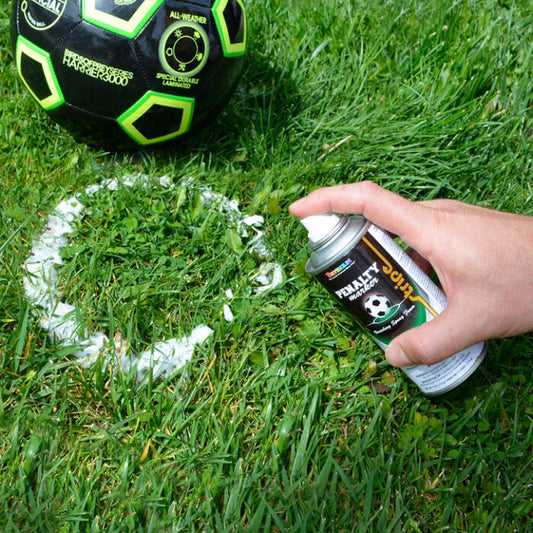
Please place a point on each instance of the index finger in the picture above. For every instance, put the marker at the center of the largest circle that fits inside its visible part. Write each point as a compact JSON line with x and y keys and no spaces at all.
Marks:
{"x":386,"y":209}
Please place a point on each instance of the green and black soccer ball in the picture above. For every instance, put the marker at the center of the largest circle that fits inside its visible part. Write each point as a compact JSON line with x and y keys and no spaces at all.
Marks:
{"x":129,"y":71}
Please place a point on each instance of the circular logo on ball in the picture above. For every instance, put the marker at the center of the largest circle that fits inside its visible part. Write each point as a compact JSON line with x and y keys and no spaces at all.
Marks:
{"x":184,"y":49}
{"x":42,"y":14}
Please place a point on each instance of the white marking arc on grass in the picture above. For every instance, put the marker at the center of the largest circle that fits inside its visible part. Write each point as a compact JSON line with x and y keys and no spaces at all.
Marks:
{"x":62,"y":320}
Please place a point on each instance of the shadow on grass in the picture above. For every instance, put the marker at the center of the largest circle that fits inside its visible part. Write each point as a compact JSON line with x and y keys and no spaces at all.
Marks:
{"x":265,"y":100}
{"x":499,"y":370}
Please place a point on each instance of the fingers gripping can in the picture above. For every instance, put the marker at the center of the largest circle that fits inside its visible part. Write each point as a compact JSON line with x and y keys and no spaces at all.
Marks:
{"x":378,"y":283}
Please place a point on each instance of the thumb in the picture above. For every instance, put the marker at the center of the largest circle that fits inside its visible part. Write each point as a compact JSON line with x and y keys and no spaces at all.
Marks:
{"x":434,"y":341}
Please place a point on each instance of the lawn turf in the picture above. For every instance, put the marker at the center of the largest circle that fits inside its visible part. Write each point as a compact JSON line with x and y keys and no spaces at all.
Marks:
{"x":288,"y":418}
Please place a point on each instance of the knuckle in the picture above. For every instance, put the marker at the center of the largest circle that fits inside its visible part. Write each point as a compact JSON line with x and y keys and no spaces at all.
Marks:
{"x":369,"y":187}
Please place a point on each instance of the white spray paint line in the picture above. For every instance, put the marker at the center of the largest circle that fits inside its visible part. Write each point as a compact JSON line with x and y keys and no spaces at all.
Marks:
{"x":270,"y":275}
{"x":228,"y":313}
{"x":243,"y":223}
{"x":62,"y":320}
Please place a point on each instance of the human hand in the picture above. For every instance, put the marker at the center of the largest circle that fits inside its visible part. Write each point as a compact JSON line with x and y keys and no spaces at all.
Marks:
{"x":483,"y":259}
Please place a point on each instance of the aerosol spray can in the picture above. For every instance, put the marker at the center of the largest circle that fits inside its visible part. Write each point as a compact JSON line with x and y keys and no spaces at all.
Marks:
{"x":371,"y":275}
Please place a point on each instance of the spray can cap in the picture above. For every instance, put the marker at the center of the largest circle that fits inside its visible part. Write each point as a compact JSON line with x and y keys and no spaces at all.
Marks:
{"x":320,"y":226}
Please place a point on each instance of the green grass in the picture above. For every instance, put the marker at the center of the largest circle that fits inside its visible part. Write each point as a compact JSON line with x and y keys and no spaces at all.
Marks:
{"x":287,"y":418}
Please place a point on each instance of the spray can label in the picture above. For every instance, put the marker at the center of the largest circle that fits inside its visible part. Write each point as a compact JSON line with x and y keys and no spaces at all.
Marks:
{"x":388,"y":293}
{"x":385,"y":297}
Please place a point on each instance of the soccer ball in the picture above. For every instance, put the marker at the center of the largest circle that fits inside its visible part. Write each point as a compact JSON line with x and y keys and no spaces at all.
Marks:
{"x":129,"y":71}
{"x":377,"y":305}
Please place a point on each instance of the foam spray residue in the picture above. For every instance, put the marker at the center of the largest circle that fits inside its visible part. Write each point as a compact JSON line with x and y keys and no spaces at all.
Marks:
{"x":63,"y":321}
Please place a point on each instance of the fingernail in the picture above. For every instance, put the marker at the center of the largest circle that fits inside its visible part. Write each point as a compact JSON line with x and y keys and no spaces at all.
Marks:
{"x":396,"y":356}
{"x":296,"y":204}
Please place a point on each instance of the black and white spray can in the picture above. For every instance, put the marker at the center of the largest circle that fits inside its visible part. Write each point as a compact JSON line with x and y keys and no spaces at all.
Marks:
{"x":371,"y":275}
